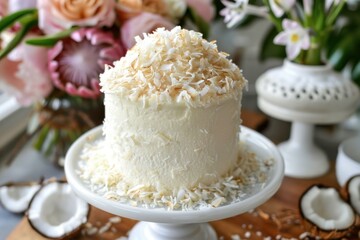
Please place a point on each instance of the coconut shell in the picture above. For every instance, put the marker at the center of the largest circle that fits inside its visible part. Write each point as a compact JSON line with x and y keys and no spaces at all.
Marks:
{"x":316,"y":231}
{"x":345,"y":193}
{"x":21,"y":184}
{"x":70,"y":235}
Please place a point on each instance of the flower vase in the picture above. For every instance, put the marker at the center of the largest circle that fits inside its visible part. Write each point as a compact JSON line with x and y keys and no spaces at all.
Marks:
{"x":60,"y":120}
{"x":305,"y":95}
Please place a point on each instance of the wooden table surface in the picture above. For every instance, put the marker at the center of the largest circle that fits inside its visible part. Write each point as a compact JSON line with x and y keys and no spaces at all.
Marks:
{"x":278,"y":218}
{"x":281,"y":208}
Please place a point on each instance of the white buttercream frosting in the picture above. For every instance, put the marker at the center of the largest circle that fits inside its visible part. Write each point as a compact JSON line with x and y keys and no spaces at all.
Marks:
{"x":172,"y":112}
{"x":171,"y":146}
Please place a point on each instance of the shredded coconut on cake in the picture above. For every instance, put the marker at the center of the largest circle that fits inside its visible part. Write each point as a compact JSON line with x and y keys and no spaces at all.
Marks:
{"x":174,"y":66}
{"x":247,"y":177}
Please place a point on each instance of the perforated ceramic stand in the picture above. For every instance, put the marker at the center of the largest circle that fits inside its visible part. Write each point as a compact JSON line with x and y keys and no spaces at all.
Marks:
{"x":162,"y":224}
{"x":305,"y":95}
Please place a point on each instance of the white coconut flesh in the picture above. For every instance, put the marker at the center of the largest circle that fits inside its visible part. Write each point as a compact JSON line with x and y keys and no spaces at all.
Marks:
{"x":17,"y":198}
{"x":325,"y":208}
{"x":354,"y":191}
{"x":56,"y":211}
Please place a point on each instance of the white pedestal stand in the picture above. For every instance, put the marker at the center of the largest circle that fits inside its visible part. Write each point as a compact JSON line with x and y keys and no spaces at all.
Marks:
{"x":307,"y":160}
{"x":305,"y":95}
{"x":162,"y":224}
{"x":166,"y":231}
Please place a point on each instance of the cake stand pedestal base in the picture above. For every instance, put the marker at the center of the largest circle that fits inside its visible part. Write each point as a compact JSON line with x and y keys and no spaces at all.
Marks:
{"x":303,"y":159}
{"x":165,"y":231}
{"x":191,"y":224}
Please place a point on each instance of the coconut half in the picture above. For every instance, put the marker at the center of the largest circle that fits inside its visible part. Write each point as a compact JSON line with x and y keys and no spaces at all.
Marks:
{"x":16,"y":197}
{"x":56,"y":212}
{"x":325,"y":213}
{"x":352,"y":192}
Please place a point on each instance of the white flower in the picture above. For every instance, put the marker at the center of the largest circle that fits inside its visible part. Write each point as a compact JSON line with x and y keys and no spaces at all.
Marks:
{"x":308,"y":4}
{"x":329,"y":3}
{"x":234,"y":12}
{"x":175,"y":8}
{"x":279,"y":7}
{"x":294,"y":37}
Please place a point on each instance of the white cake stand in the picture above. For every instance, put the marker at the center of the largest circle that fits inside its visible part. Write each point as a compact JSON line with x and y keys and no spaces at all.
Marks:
{"x":162,"y":224}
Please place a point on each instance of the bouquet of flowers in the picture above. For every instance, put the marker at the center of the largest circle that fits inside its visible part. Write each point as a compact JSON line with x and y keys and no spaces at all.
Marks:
{"x":303,"y":27}
{"x":52,"y":52}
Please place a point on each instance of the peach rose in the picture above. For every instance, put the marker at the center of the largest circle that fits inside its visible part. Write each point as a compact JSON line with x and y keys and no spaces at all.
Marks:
{"x":57,"y":15}
{"x":142,"y":23}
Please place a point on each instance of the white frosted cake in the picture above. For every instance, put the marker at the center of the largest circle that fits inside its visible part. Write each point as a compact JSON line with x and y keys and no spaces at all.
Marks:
{"x":172,"y":112}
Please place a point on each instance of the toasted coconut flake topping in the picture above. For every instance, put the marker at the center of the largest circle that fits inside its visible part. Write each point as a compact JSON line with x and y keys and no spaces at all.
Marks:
{"x":174,"y":66}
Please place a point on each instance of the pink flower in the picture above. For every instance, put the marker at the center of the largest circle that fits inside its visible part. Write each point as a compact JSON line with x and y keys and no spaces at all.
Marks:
{"x":10,"y":6}
{"x":3,"y":8}
{"x":142,"y":23}
{"x":57,"y":15}
{"x":76,"y":62}
{"x":27,"y":78}
{"x":17,"y":5}
{"x":203,"y":7}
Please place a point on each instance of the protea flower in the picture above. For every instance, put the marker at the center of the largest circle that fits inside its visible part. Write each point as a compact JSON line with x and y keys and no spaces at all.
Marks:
{"x":76,"y":62}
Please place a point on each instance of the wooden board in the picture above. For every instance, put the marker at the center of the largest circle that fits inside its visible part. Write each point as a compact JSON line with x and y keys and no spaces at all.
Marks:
{"x":281,"y":207}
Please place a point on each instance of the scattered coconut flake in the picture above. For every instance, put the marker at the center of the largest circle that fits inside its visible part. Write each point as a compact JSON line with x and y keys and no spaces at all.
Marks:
{"x":247,"y":234}
{"x":115,"y":219}
{"x":91,"y":231}
{"x":304,"y":235}
{"x":105,"y":228}
{"x":218,"y":201}
{"x":122,"y":238}
{"x":248,"y":176}
{"x":174,"y":66}
{"x":235,"y":237}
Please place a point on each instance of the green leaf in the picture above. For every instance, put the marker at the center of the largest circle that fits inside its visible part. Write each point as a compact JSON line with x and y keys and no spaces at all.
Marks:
{"x":55,"y":138}
{"x":275,"y":20}
{"x":334,"y":13}
{"x":346,"y":50}
{"x":269,"y":49}
{"x":41,"y":138}
{"x":319,"y":15}
{"x":340,"y":58}
{"x":202,"y":25}
{"x":12,"y":18}
{"x":50,"y":40}
{"x":355,"y":73}
{"x":336,"y":37}
{"x":28,"y":21}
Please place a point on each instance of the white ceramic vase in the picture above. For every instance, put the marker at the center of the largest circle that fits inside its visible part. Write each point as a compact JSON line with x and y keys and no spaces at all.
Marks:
{"x":305,"y":95}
